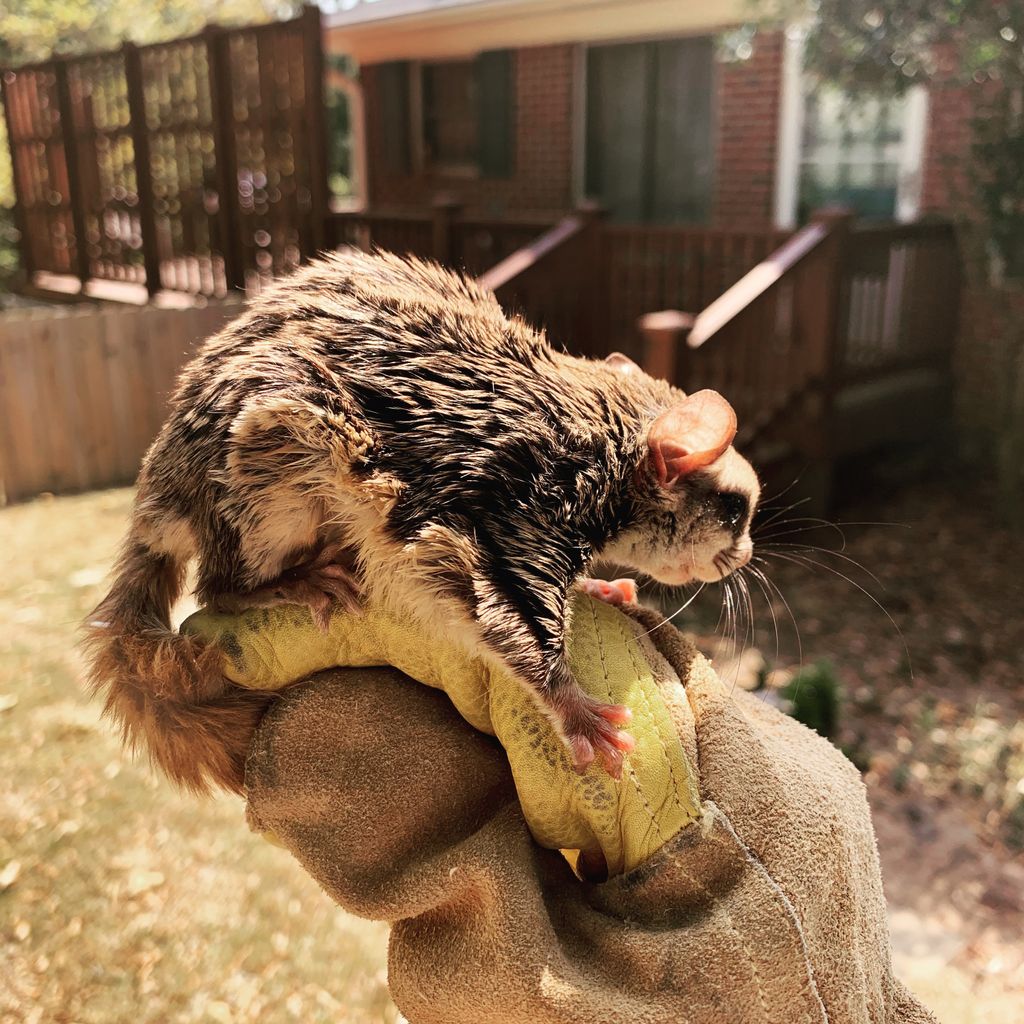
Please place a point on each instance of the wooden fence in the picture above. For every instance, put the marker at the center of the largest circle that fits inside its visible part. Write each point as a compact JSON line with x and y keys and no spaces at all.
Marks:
{"x":103,"y":375}
{"x":196,"y":165}
{"x":83,"y":392}
{"x":836,"y":306}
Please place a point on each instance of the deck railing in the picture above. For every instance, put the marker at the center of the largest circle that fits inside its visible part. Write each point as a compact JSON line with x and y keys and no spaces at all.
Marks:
{"x":834,"y":306}
{"x":550,"y":282}
{"x":587,"y":281}
{"x":900,"y":302}
{"x":474,"y":244}
{"x":647,"y":267}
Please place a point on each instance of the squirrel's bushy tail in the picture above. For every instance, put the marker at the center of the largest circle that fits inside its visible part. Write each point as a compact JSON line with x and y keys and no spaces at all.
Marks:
{"x":165,"y":689}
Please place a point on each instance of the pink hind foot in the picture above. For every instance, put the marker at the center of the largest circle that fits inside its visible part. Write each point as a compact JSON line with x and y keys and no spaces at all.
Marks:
{"x":613,"y":592}
{"x":323,"y":583}
{"x":594,"y":730}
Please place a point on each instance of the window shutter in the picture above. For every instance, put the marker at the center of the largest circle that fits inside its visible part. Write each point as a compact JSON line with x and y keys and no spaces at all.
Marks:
{"x":394,"y":126}
{"x":497,"y":113}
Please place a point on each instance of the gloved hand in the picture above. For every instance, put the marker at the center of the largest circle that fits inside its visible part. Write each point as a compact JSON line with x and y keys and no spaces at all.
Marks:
{"x":613,"y":826}
{"x":745,"y":884}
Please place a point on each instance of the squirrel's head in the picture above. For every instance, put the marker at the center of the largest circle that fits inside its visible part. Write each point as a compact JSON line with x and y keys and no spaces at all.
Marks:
{"x":694,"y":494}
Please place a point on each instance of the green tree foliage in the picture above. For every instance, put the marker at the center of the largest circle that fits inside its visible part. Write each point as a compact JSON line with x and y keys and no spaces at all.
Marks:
{"x":891,"y":44}
{"x":888,"y":45}
{"x":813,"y":697}
{"x":33,"y":29}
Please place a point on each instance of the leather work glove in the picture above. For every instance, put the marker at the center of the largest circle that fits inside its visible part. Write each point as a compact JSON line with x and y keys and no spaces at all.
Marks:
{"x":729,"y":877}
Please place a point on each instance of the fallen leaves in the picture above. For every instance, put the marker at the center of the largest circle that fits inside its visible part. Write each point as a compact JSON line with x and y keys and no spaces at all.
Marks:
{"x":9,"y":874}
{"x":142,"y":881}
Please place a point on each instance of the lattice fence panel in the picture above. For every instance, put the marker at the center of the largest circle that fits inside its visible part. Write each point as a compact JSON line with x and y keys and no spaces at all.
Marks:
{"x":36,"y":140}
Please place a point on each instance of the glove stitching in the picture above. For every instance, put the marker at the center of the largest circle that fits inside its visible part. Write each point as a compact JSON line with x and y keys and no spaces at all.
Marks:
{"x":674,"y":792}
{"x":720,"y":908}
{"x":652,"y":818}
{"x":810,"y":984}
{"x":629,"y":768}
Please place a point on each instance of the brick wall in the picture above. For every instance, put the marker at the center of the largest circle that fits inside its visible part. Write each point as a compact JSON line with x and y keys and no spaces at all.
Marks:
{"x":988,"y":379}
{"x":945,"y":186}
{"x":748,"y":98}
{"x":747,"y":114}
{"x":747,"y":103}
{"x":988,"y":359}
{"x":541,"y":182}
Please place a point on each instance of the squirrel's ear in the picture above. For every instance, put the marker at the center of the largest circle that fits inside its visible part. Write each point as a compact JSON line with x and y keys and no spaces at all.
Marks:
{"x":690,"y":436}
{"x":617,"y":361}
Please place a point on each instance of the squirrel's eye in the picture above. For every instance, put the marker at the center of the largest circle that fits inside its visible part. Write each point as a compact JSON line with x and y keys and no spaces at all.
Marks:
{"x":733,"y":508}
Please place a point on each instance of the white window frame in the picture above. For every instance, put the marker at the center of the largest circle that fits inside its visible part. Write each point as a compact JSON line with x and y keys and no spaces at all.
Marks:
{"x":792,"y":108}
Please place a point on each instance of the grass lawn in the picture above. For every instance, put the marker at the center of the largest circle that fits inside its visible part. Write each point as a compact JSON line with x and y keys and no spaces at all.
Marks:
{"x":119,"y":899}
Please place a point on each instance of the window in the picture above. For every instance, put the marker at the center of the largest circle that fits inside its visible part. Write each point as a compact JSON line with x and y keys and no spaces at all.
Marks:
{"x":863,"y":151}
{"x":649,"y":129}
{"x":851,"y":153}
{"x":451,"y":116}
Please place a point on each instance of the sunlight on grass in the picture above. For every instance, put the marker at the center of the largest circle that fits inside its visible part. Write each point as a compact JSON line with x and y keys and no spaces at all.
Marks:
{"x":121,"y":900}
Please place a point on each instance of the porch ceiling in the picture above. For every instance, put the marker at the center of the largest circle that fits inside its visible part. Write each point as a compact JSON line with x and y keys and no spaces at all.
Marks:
{"x":419,"y":29}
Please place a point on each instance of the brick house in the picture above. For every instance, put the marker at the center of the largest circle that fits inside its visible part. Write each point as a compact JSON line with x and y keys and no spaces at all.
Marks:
{"x":664,"y":112}
{"x":685,"y":114}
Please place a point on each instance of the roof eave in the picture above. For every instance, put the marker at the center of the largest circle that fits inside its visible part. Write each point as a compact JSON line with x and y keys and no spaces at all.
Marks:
{"x":431,"y":29}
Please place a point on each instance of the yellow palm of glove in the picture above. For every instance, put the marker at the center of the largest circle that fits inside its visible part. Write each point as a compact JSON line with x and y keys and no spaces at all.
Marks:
{"x":626,"y":821}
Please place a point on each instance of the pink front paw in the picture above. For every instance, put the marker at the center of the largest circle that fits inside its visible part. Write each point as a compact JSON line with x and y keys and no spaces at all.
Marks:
{"x":616,"y":592}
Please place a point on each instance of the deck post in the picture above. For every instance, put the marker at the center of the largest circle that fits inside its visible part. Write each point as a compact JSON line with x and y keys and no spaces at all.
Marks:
{"x":229,"y":217}
{"x":70,"y":139}
{"x":818,"y":439}
{"x":839,"y":221}
{"x":445,"y":209}
{"x":665,"y":334}
{"x":591,"y":320}
{"x":316,"y":125}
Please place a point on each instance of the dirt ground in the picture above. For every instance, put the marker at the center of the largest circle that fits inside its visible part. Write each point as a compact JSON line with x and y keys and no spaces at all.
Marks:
{"x":932,"y":711}
{"x":122,"y":901}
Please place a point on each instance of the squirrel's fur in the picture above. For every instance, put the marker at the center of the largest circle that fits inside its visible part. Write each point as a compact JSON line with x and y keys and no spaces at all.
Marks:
{"x":389,"y":412}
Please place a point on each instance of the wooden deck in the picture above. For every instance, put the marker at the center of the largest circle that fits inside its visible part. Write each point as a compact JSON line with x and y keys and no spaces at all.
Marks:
{"x":834,"y":342}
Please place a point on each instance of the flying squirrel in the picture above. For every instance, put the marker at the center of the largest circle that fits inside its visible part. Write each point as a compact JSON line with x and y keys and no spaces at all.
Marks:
{"x":377,"y":429}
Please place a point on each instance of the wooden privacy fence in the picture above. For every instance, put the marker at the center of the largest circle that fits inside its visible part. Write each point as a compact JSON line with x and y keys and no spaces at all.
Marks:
{"x":196,"y":165}
{"x":83,"y":392}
